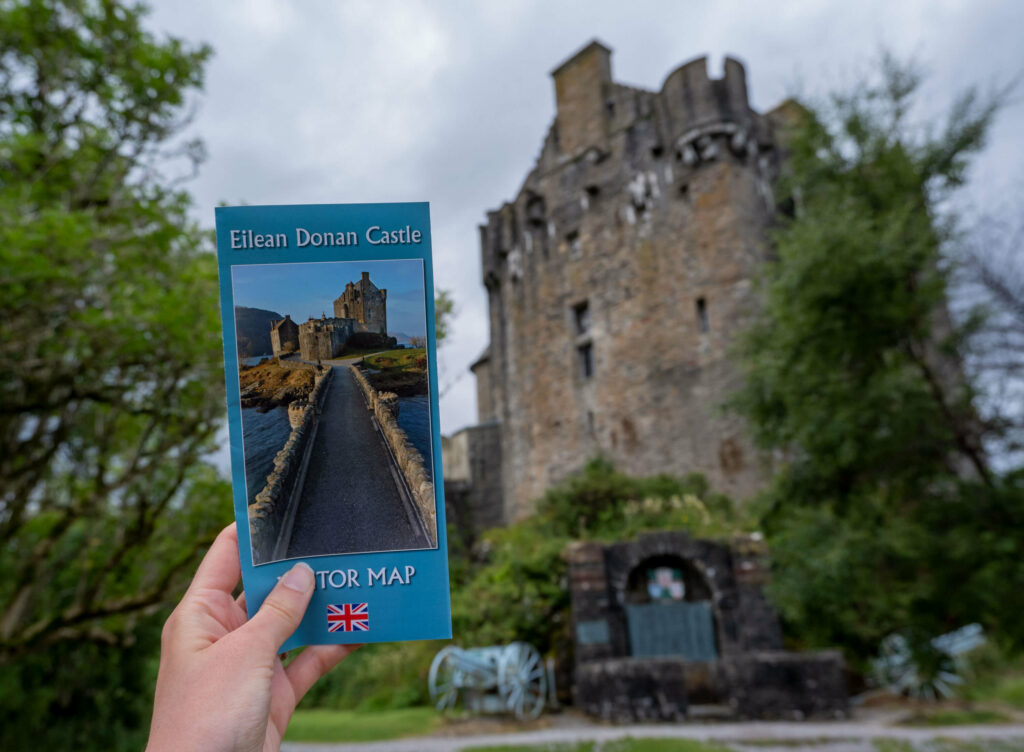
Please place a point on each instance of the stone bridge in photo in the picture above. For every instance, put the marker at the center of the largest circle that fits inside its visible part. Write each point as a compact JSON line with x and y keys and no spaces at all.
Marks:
{"x":352,"y":485}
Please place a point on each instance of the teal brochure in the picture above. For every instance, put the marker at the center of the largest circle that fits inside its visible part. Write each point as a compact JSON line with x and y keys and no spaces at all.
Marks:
{"x":328,"y":315}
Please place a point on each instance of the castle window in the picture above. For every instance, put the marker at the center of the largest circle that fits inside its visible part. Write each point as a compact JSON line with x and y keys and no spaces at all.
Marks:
{"x":657,"y":151}
{"x":535,"y":211}
{"x":593,"y":191}
{"x":581,"y":317}
{"x":585,"y":354}
{"x":702,"y":316}
{"x":575,"y":249}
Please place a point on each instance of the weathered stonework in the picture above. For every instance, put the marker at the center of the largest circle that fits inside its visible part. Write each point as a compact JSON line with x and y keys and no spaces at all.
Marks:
{"x":365,"y":303}
{"x":618,"y":277}
{"x":284,"y":336}
{"x":323,"y":338}
{"x":410,"y":462}
{"x":360,"y":309}
{"x":472,"y":479}
{"x":632,"y":690}
{"x":747,"y":673}
{"x":269,"y":509}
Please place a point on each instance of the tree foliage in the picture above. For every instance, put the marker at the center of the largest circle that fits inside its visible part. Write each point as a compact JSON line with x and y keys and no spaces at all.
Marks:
{"x":110,"y":375}
{"x":884,"y":513}
{"x":519,"y":590}
{"x":444,"y":310}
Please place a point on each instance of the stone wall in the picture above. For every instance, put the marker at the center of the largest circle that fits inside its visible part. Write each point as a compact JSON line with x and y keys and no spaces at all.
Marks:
{"x":410,"y":462}
{"x":633,"y":690}
{"x":599,"y":574}
{"x":269,"y":510}
{"x":472,"y":479}
{"x":752,"y":676}
{"x":762,"y":685}
{"x":618,"y":277}
{"x":324,"y":338}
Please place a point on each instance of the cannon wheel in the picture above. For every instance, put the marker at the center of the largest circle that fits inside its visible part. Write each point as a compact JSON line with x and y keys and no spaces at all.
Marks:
{"x":441,"y":680}
{"x":522,"y":680}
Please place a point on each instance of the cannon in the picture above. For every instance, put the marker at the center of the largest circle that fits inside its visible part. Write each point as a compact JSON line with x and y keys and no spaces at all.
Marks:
{"x":497,"y":679}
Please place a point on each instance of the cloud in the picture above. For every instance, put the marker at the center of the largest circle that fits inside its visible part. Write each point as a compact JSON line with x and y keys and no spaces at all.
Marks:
{"x":448,"y":102}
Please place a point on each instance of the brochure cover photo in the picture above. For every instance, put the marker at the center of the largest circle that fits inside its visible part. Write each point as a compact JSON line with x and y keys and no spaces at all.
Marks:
{"x":332,"y":408}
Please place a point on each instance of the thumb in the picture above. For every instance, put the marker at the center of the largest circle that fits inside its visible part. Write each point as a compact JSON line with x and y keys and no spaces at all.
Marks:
{"x":283,"y":609}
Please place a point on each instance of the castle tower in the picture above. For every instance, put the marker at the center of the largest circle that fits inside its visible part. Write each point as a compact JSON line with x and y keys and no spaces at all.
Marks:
{"x":284,"y":336}
{"x":619,"y":276}
{"x":366,"y":304}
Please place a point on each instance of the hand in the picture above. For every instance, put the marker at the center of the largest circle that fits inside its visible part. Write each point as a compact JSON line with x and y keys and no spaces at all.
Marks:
{"x":221,"y":684}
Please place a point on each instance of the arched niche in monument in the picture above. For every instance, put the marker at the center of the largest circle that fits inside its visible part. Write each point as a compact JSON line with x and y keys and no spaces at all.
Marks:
{"x":669,"y":610}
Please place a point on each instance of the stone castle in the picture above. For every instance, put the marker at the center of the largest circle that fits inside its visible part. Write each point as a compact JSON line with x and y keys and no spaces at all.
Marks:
{"x":617,"y":279}
{"x":360,"y":309}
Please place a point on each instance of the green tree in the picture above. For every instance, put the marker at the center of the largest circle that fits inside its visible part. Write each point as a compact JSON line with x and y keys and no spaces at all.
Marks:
{"x":884,"y":513}
{"x":110,"y":375}
{"x":444,"y":310}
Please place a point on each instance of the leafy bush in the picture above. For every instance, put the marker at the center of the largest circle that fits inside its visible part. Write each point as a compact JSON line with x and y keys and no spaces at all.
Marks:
{"x":520,"y":589}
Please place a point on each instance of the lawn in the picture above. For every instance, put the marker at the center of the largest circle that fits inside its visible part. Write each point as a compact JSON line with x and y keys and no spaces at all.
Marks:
{"x":956,"y":717}
{"x":359,"y":726}
{"x":403,"y":372}
{"x":950,"y":745}
{"x":1001,"y":683}
{"x":401,"y":360}
{"x":622,"y":745}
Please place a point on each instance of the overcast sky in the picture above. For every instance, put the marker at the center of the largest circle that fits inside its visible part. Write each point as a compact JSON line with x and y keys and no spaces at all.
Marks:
{"x":318,"y":101}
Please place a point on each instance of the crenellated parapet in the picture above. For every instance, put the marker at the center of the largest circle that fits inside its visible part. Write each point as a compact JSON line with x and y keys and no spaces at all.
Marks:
{"x":703,"y":116}
{"x":608,"y":138}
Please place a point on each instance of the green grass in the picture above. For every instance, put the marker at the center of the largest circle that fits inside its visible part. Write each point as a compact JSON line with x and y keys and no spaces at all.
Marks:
{"x":994,"y":677}
{"x":622,"y":745}
{"x":892,"y":745}
{"x":798,"y":743}
{"x":1008,"y":689}
{"x":950,"y":745}
{"x":661,"y":745}
{"x":358,"y":352}
{"x":579,"y":747}
{"x":359,"y":726}
{"x":401,"y":360}
{"x":957,"y":717}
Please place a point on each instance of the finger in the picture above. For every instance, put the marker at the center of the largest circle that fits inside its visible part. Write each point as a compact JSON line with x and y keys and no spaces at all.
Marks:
{"x":240,"y":601}
{"x":284,"y":608}
{"x":220,"y":568}
{"x":312,"y":664}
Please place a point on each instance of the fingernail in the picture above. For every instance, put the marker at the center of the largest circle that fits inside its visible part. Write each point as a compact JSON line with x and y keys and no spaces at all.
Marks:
{"x":299,"y":577}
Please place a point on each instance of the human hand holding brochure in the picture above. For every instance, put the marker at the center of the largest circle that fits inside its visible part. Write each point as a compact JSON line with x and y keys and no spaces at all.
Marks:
{"x":329,"y":343}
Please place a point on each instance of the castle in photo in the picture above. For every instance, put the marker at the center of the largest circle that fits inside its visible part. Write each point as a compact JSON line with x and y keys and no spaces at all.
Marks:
{"x":617,"y":280}
{"x":360,"y":309}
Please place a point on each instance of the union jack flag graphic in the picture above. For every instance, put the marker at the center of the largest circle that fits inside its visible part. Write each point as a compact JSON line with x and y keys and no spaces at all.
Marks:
{"x":348,"y":617}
